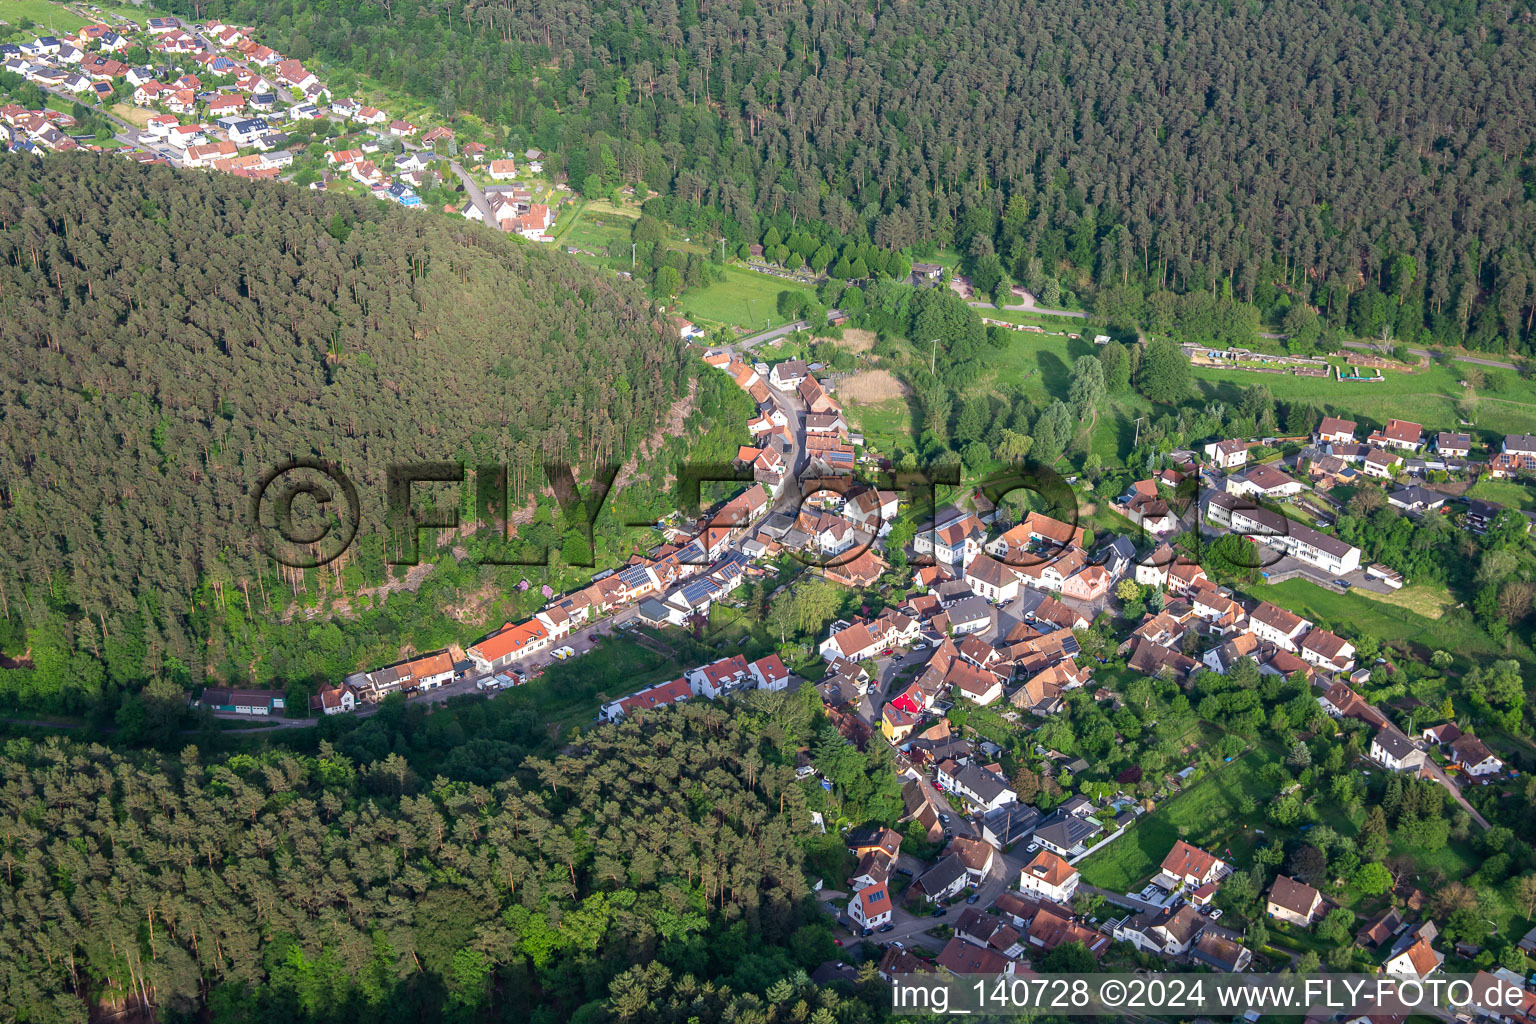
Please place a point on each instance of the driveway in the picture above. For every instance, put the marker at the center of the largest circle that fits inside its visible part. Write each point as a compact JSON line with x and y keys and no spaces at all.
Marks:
{"x":1425,"y":353}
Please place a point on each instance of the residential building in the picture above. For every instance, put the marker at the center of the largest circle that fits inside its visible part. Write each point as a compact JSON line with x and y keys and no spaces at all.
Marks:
{"x":1474,"y":757}
{"x":1381,"y":464}
{"x":1166,"y":932}
{"x":1328,"y":651}
{"x":1049,"y":876}
{"x":334,"y":700}
{"x":992,"y":579}
{"x":1452,"y":445}
{"x":1190,"y":867}
{"x":1067,"y":834}
{"x":660,"y":695}
{"x":1335,"y":431}
{"x":508,"y":644}
{"x":1402,"y":435}
{"x":1227,"y":454}
{"x":963,"y":958}
{"x":1221,"y":952}
{"x":870,"y":907}
{"x":1276,"y":625}
{"x":946,"y":878}
{"x":1419,"y":960}
{"x":1294,"y":902}
{"x":1396,"y":752}
{"x":1265,"y":481}
{"x":1416,"y":499}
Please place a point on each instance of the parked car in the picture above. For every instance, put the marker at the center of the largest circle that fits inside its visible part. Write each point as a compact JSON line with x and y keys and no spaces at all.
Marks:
{"x":944,"y":818}
{"x":973,"y":897}
{"x":1342,"y":583}
{"x":1215,"y":913}
{"x":941,"y":912}
{"x":866,"y":933}
{"x":1032,"y":848}
{"x":887,"y":927}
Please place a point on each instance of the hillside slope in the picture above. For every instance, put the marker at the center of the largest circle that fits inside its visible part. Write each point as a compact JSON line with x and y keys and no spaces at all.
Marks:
{"x":165,"y":338}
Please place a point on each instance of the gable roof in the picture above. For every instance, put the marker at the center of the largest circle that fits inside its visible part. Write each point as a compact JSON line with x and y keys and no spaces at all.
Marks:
{"x":1185,"y":859}
{"x":1297,"y":897}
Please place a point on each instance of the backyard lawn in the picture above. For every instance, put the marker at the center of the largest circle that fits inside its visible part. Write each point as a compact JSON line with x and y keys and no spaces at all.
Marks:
{"x":1204,"y":815}
{"x":1505,"y":492}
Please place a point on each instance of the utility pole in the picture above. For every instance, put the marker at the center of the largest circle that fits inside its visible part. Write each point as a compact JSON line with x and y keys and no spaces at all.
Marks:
{"x":722,"y":250}
{"x":1137,"y":441}
{"x":631,"y":255}
{"x":933,"y":356}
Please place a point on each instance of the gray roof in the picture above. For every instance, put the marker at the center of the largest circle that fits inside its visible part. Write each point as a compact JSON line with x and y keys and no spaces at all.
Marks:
{"x":969,"y":610}
{"x":1011,"y":823}
{"x":985,"y":784}
{"x":942,"y":875}
{"x":1395,"y":743}
{"x":1065,"y":830}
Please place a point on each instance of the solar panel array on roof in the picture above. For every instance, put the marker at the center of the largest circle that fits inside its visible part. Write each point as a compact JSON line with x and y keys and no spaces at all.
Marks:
{"x":635,"y":577}
{"x":1070,"y":646}
{"x":699,"y":591}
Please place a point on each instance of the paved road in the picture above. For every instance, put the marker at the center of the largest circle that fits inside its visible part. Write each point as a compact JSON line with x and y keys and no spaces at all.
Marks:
{"x":777,"y":332}
{"x":476,"y":193}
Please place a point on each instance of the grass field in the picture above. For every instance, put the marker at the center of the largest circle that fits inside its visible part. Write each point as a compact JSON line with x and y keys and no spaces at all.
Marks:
{"x":1430,"y":396}
{"x":46,"y":15}
{"x":1206,"y":815}
{"x":1453,"y":631}
{"x":744,"y":298}
{"x":1432,"y":602}
{"x":133,"y":115}
{"x":1505,"y":492}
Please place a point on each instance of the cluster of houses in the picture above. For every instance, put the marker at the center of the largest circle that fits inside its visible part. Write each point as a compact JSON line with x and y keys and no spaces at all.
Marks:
{"x":721,"y":678}
{"x":512,"y":209}
{"x":1395,"y":751}
{"x":235,"y":128}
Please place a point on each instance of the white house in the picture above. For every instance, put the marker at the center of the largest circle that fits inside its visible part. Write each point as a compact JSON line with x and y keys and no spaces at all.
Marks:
{"x":1396,"y":752}
{"x":1419,"y":960}
{"x":1227,"y":454}
{"x":1049,"y":876}
{"x":1276,"y":625}
{"x":1327,"y":651}
{"x":991,"y":579}
{"x":1474,"y":757}
{"x":870,"y":907}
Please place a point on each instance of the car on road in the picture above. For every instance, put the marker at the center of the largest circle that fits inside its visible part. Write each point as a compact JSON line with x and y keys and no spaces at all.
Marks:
{"x":944,"y":818}
{"x":887,"y":927}
{"x":564,"y":652}
{"x":973,"y":897}
{"x":941,"y":912}
{"x":866,"y":933}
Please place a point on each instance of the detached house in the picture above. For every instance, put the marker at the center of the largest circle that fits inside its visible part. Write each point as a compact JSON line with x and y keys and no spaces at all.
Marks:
{"x":992,"y":579}
{"x":1189,"y":866}
{"x":1402,"y":435}
{"x":1294,"y":902}
{"x":1419,"y":960}
{"x":1335,"y":431}
{"x":1396,"y":752}
{"x":1227,"y":454}
{"x":954,"y":539}
{"x":870,"y":907}
{"x":1474,"y":757}
{"x":1264,"y":481}
{"x":1050,"y":877}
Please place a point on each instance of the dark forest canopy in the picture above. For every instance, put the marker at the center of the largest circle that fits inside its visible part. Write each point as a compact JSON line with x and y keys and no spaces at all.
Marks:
{"x":1315,"y":149}
{"x":663,"y":862}
{"x":166,"y":337}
